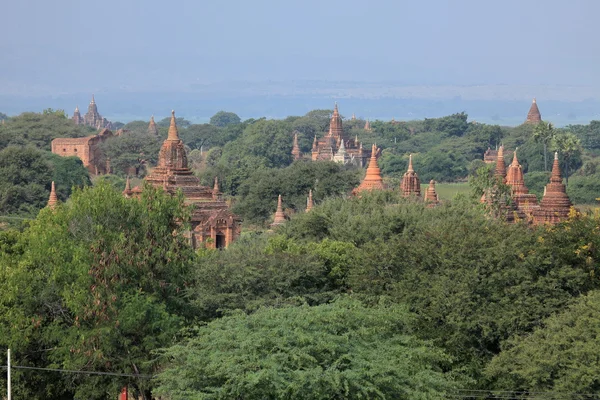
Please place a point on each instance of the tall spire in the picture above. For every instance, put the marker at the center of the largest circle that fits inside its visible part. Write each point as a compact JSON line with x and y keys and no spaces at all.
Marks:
{"x":309,"y":201}
{"x":93,"y":100}
{"x":372,"y":180}
{"x":53,"y":199}
{"x":173,"y":134}
{"x":335,"y":125}
{"x":279,"y":218}
{"x":431,"y":196}
{"x":353,"y":117}
{"x":216,"y":193}
{"x":500,"y":170}
{"x":368,"y":126}
{"x":152,"y":128}
{"x":127,"y":192}
{"x":514,"y":176}
{"x":411,"y":184}
{"x":315,"y":146}
{"x":555,"y":205}
{"x":296,"y":148}
{"x":533,"y":116}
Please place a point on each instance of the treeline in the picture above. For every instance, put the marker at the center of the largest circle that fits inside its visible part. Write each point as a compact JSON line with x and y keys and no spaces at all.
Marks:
{"x":371,"y":297}
{"x":253,"y":161}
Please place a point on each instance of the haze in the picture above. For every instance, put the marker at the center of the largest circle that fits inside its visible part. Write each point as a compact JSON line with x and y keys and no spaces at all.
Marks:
{"x":79,"y":45}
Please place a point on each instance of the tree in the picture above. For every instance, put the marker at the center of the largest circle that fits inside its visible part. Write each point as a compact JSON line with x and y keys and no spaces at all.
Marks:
{"x":569,"y":146}
{"x":544,"y":133}
{"x":558,"y":357}
{"x":131,"y":152}
{"x":339,"y":350}
{"x":224,"y":118}
{"x":98,"y":285}
{"x":25,"y":178}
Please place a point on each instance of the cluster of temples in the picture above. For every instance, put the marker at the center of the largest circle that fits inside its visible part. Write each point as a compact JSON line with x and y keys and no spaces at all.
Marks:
{"x":334,"y":145}
{"x":554,"y":207}
{"x":91,"y":118}
{"x":213,"y":224}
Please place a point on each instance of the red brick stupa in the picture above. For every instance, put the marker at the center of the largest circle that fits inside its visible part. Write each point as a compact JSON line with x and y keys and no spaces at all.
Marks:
{"x":500,"y":171}
{"x":522,"y":199}
{"x":431,"y":196}
{"x":279,"y":218}
{"x":533,"y":116}
{"x":410,"y":185}
{"x":372,"y":180}
{"x":309,"y":201}
{"x":296,"y":149}
{"x":53,"y":199}
{"x":555,"y":205}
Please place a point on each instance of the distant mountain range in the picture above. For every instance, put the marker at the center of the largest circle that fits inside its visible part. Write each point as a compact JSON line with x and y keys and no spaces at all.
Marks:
{"x":499,"y":104}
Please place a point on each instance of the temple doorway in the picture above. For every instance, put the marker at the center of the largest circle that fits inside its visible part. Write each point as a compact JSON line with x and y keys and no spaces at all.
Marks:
{"x":220,"y":242}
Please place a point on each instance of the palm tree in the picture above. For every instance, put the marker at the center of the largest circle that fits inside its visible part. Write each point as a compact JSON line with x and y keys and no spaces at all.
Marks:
{"x":569,"y":145}
{"x":544,"y":133}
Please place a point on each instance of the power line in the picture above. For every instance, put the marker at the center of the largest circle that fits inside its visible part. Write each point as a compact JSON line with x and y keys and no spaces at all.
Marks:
{"x":72,"y":371}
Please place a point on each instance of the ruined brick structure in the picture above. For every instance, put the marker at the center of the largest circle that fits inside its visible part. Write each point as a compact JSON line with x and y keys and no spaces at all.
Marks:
{"x":490,"y":156}
{"x":295,"y":148}
{"x":533,"y":116}
{"x":86,"y":148}
{"x":279,"y":217}
{"x":152,"y":128}
{"x":334,"y":146}
{"x":431,"y":196}
{"x":213,"y":224}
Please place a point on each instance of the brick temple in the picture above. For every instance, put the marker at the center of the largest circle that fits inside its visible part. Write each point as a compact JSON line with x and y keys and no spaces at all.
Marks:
{"x":213,"y":224}
{"x":92,"y":117}
{"x":334,"y":145}
{"x":87,"y":149}
{"x":533,"y":116}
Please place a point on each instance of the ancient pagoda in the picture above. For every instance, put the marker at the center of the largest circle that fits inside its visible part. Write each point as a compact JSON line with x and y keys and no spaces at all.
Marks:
{"x":521,"y":198}
{"x":53,"y":199}
{"x":212,"y":222}
{"x":77,"y":117}
{"x":296,"y":148}
{"x":368,"y":126}
{"x":372,"y":180}
{"x":533,"y":116}
{"x":152,"y":128}
{"x":500,"y":170}
{"x":309,"y":201}
{"x":431,"y":196}
{"x":279,"y":217}
{"x":326,"y":148}
{"x":410,"y":185}
{"x":490,"y":156}
{"x":555,"y":205}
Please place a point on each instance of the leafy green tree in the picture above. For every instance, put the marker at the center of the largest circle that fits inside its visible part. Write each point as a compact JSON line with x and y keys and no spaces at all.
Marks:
{"x":98,"y":285}
{"x":544,"y":133}
{"x":3,"y":116}
{"x":39,"y":130}
{"x":67,"y":172}
{"x":224,"y":118}
{"x":339,"y":350}
{"x":25,"y":178}
{"x":166,"y":122}
{"x":558,"y":356}
{"x":570,"y":148}
{"x":131,"y":152}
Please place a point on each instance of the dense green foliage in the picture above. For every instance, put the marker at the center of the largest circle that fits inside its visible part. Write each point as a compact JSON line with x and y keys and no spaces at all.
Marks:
{"x":340,"y":350}
{"x":224,"y":118}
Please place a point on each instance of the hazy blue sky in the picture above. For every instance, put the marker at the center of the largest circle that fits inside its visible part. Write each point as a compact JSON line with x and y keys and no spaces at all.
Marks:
{"x":106,"y":44}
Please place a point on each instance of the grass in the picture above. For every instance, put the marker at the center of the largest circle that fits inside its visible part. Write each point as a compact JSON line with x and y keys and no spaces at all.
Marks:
{"x":447,"y":191}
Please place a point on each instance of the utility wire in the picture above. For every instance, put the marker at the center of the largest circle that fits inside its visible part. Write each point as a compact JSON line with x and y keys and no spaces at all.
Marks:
{"x":72,"y":371}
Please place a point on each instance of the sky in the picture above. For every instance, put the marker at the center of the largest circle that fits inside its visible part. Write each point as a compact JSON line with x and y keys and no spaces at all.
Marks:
{"x":62,"y":46}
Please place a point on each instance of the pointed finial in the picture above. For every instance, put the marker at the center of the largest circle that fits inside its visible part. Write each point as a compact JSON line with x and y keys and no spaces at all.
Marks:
{"x":173,"y":134}
{"x":53,"y":199}
{"x":309,"y":201}
{"x":534,"y":101}
{"x":93,"y":100}
{"x":76,"y":109}
{"x":410,"y":164}
{"x":152,"y":118}
{"x":556,"y":155}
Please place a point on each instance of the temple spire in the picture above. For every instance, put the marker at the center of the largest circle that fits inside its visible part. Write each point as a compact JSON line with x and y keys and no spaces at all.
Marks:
{"x":555,"y":205}
{"x":93,"y":100}
{"x":431,"y":196}
{"x":411,"y":184}
{"x":296,"y":148}
{"x":309,"y":201}
{"x":533,"y":116}
{"x":216,"y":193}
{"x":368,"y":126}
{"x":173,"y":134}
{"x":500,"y":170}
{"x":335,"y":125}
{"x":127,"y":192}
{"x":315,"y":146}
{"x":279,"y":218}
{"x":372,"y":180}
{"x":53,"y":199}
{"x":152,"y":128}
